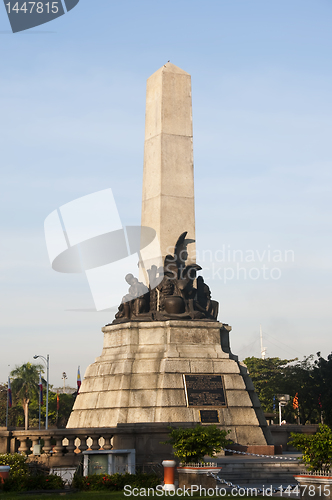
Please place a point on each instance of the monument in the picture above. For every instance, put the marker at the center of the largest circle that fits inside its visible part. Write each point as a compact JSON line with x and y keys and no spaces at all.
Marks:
{"x":168,"y":203}
{"x":166,"y":358}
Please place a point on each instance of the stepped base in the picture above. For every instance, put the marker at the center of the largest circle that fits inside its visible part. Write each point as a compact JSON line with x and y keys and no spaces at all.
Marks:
{"x":259,"y":471}
{"x":139,"y":379}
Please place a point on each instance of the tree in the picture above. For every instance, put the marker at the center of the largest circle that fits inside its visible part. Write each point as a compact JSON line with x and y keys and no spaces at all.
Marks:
{"x":304,"y":379}
{"x":300,"y":379}
{"x":60,"y":416}
{"x":25,"y":385}
{"x":15,"y":413}
{"x":323,"y":377}
{"x":269,"y":379}
{"x":316,"y":448}
{"x":190,"y":445}
{"x":3,"y":404}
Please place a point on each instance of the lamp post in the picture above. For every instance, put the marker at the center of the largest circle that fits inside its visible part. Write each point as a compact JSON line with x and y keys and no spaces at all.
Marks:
{"x":47,"y":361}
{"x":7,"y":407}
{"x":283,"y":400}
{"x":64,"y":376}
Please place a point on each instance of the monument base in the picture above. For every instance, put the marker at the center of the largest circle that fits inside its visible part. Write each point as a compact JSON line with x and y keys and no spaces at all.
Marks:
{"x":141,"y":377}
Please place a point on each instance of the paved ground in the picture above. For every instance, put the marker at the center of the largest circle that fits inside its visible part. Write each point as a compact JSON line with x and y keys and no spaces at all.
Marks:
{"x":268,"y":487}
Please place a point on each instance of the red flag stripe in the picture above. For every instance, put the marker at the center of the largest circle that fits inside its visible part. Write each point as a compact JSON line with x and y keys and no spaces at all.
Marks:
{"x":79,"y":382}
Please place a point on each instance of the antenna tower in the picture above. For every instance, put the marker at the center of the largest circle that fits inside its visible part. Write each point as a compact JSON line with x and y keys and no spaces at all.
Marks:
{"x":263,"y":349}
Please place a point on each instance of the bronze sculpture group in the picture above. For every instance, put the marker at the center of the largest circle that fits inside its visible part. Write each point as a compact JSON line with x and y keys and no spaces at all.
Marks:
{"x":172,"y":293}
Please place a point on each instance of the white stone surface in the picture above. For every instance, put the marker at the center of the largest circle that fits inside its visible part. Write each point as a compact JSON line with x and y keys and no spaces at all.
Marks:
{"x":139,"y":378}
{"x":168,"y":176}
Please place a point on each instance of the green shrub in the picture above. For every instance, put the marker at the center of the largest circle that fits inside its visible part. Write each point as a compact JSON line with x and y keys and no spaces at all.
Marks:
{"x":20,"y":479}
{"x":115,"y":482}
{"x":17,"y":463}
{"x":30,"y":483}
{"x":316,"y":448}
{"x":191,"y":444}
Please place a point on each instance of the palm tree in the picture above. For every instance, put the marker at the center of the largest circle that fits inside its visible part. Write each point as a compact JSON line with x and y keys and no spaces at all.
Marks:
{"x":25,"y":385}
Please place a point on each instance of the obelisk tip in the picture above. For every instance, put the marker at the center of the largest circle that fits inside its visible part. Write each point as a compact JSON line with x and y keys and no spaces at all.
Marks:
{"x":171,"y":68}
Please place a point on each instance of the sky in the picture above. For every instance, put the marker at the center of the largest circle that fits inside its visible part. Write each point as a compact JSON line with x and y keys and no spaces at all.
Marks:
{"x":72,"y":113}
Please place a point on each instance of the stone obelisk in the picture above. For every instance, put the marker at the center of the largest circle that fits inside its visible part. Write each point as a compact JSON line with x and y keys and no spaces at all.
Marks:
{"x":168,"y":178}
{"x":175,"y":367}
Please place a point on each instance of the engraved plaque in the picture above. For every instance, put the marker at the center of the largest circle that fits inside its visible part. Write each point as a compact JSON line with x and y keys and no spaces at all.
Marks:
{"x":204,"y":390}
{"x":209,"y":416}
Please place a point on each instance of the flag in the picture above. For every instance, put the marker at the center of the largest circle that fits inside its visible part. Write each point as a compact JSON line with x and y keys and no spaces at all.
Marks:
{"x":57,"y":402}
{"x":79,"y":382}
{"x":9,"y":390}
{"x":296,"y":401}
{"x":41,"y":399}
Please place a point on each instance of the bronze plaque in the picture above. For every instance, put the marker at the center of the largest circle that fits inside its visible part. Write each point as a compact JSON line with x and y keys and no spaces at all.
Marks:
{"x":204,"y":390}
{"x":209,"y":416}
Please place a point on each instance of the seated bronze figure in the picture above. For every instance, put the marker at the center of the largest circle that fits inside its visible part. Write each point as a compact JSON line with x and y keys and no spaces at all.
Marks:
{"x":174,"y":296}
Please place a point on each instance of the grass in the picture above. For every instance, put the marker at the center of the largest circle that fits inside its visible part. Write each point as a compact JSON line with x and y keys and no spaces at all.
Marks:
{"x":87,"y":495}
{"x":95,"y":495}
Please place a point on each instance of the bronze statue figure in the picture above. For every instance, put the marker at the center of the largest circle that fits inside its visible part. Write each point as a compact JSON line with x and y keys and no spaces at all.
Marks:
{"x":135,"y":302}
{"x":175,"y":296}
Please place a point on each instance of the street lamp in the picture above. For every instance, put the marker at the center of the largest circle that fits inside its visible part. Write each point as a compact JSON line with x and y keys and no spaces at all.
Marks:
{"x":64,"y":376}
{"x":47,"y":361}
{"x":283,"y":400}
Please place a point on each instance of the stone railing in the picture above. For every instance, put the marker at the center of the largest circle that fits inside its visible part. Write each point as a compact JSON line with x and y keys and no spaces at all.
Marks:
{"x":56,"y":442}
{"x":65,"y":446}
{"x":325,"y":473}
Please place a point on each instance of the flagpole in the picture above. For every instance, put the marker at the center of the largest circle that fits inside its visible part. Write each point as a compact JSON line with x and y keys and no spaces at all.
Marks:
{"x":39,"y":404}
{"x":9,"y":401}
{"x":57,"y":406}
{"x":47,"y":389}
{"x":47,"y":361}
{"x":7,"y":408}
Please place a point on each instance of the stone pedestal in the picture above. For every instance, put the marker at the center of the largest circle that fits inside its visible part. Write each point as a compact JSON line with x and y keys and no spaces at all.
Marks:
{"x":314,"y":486}
{"x":138,"y":379}
{"x":197,"y":477}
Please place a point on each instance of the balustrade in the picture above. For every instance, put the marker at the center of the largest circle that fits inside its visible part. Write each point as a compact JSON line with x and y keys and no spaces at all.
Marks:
{"x":69,"y":442}
{"x":95,"y":442}
{"x":107,"y":443}
{"x":23,"y":448}
{"x":70,"y":446}
{"x":47,"y":444}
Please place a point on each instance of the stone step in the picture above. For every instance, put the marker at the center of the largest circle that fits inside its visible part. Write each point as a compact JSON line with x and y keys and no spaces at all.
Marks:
{"x":266,"y":467}
{"x":250,"y":473}
{"x":260,"y":480}
{"x":264,"y":471}
{"x":254,"y":463}
{"x":229,"y":477}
